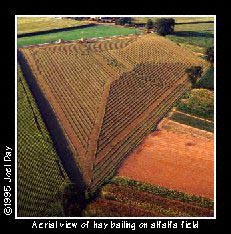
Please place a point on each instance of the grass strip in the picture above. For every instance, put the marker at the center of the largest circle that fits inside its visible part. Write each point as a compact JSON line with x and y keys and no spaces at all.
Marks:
{"x":193,"y":122}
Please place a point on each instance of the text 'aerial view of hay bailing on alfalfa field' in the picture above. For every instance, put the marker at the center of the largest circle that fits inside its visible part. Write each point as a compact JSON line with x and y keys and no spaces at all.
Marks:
{"x":115,"y":117}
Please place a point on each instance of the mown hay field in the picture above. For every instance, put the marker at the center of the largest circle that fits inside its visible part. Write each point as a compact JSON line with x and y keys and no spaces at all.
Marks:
{"x":37,"y":24}
{"x":104,"y":96}
{"x":41,"y":178}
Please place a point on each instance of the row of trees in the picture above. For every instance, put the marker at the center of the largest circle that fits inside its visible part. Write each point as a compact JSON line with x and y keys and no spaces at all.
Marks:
{"x":162,"y":26}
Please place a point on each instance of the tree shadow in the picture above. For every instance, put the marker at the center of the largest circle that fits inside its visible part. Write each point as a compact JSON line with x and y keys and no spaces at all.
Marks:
{"x":193,"y":34}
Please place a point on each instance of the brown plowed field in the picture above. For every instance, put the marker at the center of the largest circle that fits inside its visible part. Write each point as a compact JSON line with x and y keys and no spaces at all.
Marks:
{"x":173,"y":160}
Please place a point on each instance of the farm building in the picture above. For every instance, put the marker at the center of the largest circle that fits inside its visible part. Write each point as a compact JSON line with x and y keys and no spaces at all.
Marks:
{"x":99,"y":99}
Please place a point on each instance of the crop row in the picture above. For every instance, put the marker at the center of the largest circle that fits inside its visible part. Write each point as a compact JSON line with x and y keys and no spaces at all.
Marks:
{"x":125,"y":109}
{"x":81,"y":119}
{"x":164,"y":73}
{"x":128,"y":99}
{"x":107,"y":208}
{"x":152,"y":48}
{"x":163,"y":192}
{"x":160,"y":74}
{"x":108,"y":159}
{"x":151,"y":202}
{"x":112,"y":62}
{"x":39,"y":179}
{"x":72,"y":88}
{"x":91,"y":46}
{"x":150,"y":114}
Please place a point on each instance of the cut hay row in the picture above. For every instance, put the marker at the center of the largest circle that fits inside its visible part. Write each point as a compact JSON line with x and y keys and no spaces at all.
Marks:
{"x":79,"y":106}
{"x":107,"y":95}
{"x":157,"y":50}
{"x":106,"y":164}
{"x":156,"y":105}
{"x":84,"y":47}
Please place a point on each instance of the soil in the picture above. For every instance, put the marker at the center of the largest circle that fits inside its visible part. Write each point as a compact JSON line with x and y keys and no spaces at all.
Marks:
{"x":173,"y":160}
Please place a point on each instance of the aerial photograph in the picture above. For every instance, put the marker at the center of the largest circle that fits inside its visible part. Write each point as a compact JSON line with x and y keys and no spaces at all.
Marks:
{"x":115,"y":116}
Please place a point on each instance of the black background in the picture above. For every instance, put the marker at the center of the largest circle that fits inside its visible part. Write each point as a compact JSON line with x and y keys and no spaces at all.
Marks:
{"x":7,"y":65}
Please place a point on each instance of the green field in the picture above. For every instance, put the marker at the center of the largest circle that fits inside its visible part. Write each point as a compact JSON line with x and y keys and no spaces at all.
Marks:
{"x":193,"y":122}
{"x":198,"y":102}
{"x":41,"y":178}
{"x":36,"y":24}
{"x":196,"y":36}
{"x":90,"y":32}
{"x":207,"y":81}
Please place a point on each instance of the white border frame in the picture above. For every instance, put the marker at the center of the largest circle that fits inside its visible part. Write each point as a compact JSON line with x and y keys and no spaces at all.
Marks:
{"x":94,"y":218}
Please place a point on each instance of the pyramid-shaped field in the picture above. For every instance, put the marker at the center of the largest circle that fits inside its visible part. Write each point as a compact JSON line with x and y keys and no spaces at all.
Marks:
{"x":100,"y":98}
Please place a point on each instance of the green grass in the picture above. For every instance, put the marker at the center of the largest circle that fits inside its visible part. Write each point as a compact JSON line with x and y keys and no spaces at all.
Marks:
{"x":36,"y":24}
{"x":201,"y":41}
{"x":193,"y":122}
{"x":40,"y":179}
{"x":198,"y":102}
{"x":207,"y":81}
{"x":90,"y":32}
{"x":199,"y":35}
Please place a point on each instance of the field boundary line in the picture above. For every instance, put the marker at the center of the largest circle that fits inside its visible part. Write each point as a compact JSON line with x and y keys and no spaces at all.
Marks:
{"x":168,"y":121}
{"x":192,"y":116}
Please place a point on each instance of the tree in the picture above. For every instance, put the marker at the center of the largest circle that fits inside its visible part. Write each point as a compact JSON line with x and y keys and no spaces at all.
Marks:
{"x":123,"y":20}
{"x":194,"y":73}
{"x":209,"y":55}
{"x":149,"y":24}
{"x":164,"y":26}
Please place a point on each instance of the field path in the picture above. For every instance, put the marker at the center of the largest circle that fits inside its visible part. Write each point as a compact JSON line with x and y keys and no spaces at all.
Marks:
{"x":173,"y":160}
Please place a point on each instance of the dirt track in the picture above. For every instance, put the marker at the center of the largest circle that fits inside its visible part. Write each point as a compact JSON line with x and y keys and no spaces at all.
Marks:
{"x":174,"y":160}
